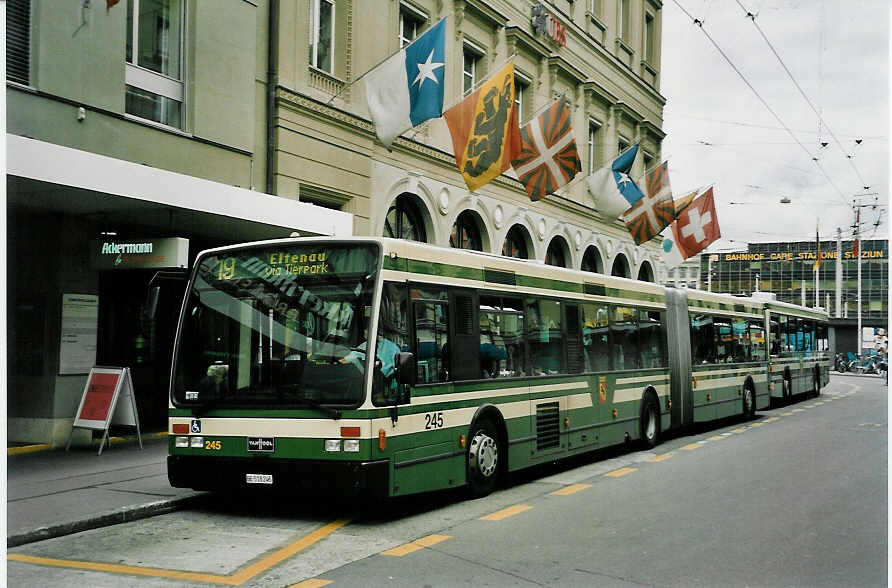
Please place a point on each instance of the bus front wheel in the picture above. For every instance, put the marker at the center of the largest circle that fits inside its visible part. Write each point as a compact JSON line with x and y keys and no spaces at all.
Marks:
{"x":749,"y":402}
{"x":484,"y":452}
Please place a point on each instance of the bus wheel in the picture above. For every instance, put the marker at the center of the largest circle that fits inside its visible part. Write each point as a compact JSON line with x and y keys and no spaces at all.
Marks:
{"x":749,"y":402}
{"x":817,"y":378}
{"x":650,"y":422}
{"x":483,"y":458}
{"x":788,"y":386}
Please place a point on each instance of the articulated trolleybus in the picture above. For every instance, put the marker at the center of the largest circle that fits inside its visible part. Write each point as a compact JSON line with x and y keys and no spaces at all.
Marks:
{"x":390,"y":367}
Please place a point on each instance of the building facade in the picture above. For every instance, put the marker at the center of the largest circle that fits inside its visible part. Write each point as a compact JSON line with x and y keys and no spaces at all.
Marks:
{"x":177,"y":125}
{"x":787,"y":270}
{"x":686,"y":275}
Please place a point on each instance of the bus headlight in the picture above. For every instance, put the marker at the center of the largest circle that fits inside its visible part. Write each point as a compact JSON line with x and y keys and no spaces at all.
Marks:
{"x":351,"y":445}
{"x":332,"y":445}
{"x":196,"y":442}
{"x":182,"y":442}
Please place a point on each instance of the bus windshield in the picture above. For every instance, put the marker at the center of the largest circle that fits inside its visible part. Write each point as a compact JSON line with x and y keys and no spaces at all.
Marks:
{"x":276,"y":326}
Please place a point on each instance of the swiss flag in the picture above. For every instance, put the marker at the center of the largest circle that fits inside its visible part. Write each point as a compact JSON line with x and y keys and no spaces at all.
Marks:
{"x":696,"y":226}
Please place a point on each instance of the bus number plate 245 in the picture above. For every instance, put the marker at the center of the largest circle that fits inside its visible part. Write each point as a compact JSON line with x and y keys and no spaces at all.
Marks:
{"x":433,"y":420}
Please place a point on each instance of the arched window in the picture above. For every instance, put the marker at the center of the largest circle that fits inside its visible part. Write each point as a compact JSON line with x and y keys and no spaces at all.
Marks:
{"x":516,"y":243}
{"x":620,"y":267}
{"x":591,"y":261}
{"x":646,"y":272}
{"x":466,"y":232}
{"x":404,"y":220}
{"x":556,"y":253}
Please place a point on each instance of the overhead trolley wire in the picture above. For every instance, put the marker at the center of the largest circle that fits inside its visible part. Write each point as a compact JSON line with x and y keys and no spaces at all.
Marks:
{"x":821,"y":120}
{"x":724,"y":55}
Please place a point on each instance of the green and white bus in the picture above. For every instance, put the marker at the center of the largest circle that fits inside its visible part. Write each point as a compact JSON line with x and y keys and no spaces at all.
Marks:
{"x":390,"y":367}
{"x":799,"y":349}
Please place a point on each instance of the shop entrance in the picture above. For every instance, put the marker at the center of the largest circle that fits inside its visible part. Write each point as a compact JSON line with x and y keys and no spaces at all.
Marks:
{"x":136,"y":330}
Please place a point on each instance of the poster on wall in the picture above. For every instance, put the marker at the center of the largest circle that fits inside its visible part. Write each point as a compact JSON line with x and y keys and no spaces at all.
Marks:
{"x":80,"y":326}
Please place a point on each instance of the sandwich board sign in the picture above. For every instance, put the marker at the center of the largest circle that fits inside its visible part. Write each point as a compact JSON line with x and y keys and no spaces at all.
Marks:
{"x":108,"y":399}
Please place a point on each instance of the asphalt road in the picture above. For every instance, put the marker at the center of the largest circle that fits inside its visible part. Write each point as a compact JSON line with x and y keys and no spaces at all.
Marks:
{"x":797,"y":497}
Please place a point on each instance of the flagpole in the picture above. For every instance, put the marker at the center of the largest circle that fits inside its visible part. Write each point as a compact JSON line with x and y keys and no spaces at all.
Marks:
{"x":368,"y":71}
{"x":818,"y":264}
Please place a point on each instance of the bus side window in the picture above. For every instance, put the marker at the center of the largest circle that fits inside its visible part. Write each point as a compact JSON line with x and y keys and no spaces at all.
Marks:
{"x":624,"y":337}
{"x":393,"y":334}
{"x":757,"y":340}
{"x":702,"y":339}
{"x":596,"y":337}
{"x":651,"y":336}
{"x":775,"y":337}
{"x":501,"y":337}
{"x":545,"y":337}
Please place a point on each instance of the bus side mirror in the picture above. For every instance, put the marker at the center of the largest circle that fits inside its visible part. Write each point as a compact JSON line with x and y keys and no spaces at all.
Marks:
{"x":405,"y":368}
{"x":151,"y":306}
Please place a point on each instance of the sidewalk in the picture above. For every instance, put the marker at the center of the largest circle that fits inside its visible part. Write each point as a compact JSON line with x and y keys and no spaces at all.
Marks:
{"x":51,"y":493}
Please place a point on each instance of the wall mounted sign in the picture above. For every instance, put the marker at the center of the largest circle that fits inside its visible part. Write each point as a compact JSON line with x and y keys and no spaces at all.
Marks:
{"x":77,"y":340}
{"x":546,"y":25}
{"x":801,"y":255}
{"x":108,"y":254}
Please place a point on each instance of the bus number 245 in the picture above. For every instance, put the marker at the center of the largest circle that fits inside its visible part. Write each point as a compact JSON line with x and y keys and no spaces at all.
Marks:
{"x":433,"y":420}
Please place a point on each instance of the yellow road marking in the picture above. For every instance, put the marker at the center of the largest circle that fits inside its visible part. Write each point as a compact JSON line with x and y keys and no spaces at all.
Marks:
{"x":772,"y":419}
{"x":663,"y":457}
{"x":27,"y":449}
{"x":716,"y":438}
{"x":571,"y":489}
{"x":739,"y":430}
{"x":233,"y":580}
{"x":691,"y":446}
{"x":798,"y":410}
{"x":621,"y":472}
{"x":312,"y":583}
{"x":757,"y":424}
{"x":414,"y":546}
{"x":786,"y":414}
{"x":506,"y":512}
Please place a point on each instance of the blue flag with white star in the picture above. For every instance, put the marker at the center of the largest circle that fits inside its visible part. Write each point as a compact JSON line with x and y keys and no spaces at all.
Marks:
{"x":611,"y":188}
{"x":407,"y":88}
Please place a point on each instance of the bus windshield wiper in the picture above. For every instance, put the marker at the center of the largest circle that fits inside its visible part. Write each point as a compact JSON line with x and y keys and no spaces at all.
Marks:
{"x":332,"y":412}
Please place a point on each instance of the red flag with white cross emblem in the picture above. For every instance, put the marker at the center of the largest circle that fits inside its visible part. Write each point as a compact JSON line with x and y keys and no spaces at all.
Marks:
{"x":697,"y":226}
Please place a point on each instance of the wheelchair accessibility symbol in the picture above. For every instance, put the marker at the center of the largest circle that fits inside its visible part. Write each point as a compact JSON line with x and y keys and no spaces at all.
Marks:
{"x":195,"y":427}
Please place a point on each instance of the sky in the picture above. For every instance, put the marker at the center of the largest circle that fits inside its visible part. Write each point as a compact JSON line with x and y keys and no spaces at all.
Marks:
{"x":720,"y":133}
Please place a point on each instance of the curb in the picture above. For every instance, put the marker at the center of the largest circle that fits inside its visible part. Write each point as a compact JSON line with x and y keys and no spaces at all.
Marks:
{"x":122,"y":515}
{"x":854,"y":375}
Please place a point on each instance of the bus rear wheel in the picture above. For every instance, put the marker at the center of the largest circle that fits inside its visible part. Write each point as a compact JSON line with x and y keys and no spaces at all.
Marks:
{"x":788,"y":386}
{"x":817,"y":379}
{"x":650,"y":422}
{"x":484,"y":452}
{"x":749,"y":402}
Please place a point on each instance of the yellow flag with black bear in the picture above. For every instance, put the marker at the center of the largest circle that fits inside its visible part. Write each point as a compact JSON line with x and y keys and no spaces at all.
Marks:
{"x":484,"y":129}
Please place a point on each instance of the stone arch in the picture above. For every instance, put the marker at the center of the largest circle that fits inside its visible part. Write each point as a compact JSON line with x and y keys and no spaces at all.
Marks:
{"x":620,"y":266}
{"x":592,"y":260}
{"x":646,"y":272}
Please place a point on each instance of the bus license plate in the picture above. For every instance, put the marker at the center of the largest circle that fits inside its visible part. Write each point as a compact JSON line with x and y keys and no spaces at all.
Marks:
{"x":259,"y":478}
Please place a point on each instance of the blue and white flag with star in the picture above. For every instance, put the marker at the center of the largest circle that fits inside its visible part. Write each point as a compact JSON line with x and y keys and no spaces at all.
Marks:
{"x":407,"y":88}
{"x":612,"y":189}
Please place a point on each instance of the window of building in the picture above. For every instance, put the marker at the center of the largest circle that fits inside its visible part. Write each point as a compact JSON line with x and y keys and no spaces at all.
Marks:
{"x":154,"y":77}
{"x":322,"y":15}
{"x":521,"y":92}
{"x":592,"y":262}
{"x":622,"y":145}
{"x":470,"y":63}
{"x":465,"y":233}
{"x":404,"y":221}
{"x":515,"y":243}
{"x":411,"y":24}
{"x":18,"y":41}
{"x":648,"y":160}
{"x":623,"y":16}
{"x":594,"y":146}
{"x":649,"y":40}
{"x":594,"y":7}
{"x":555,"y":253}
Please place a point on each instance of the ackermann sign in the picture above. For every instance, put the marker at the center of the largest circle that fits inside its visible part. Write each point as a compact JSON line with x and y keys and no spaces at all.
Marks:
{"x":139,"y":253}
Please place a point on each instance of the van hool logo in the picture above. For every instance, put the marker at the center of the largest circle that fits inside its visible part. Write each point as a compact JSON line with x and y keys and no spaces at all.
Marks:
{"x":119,"y":248}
